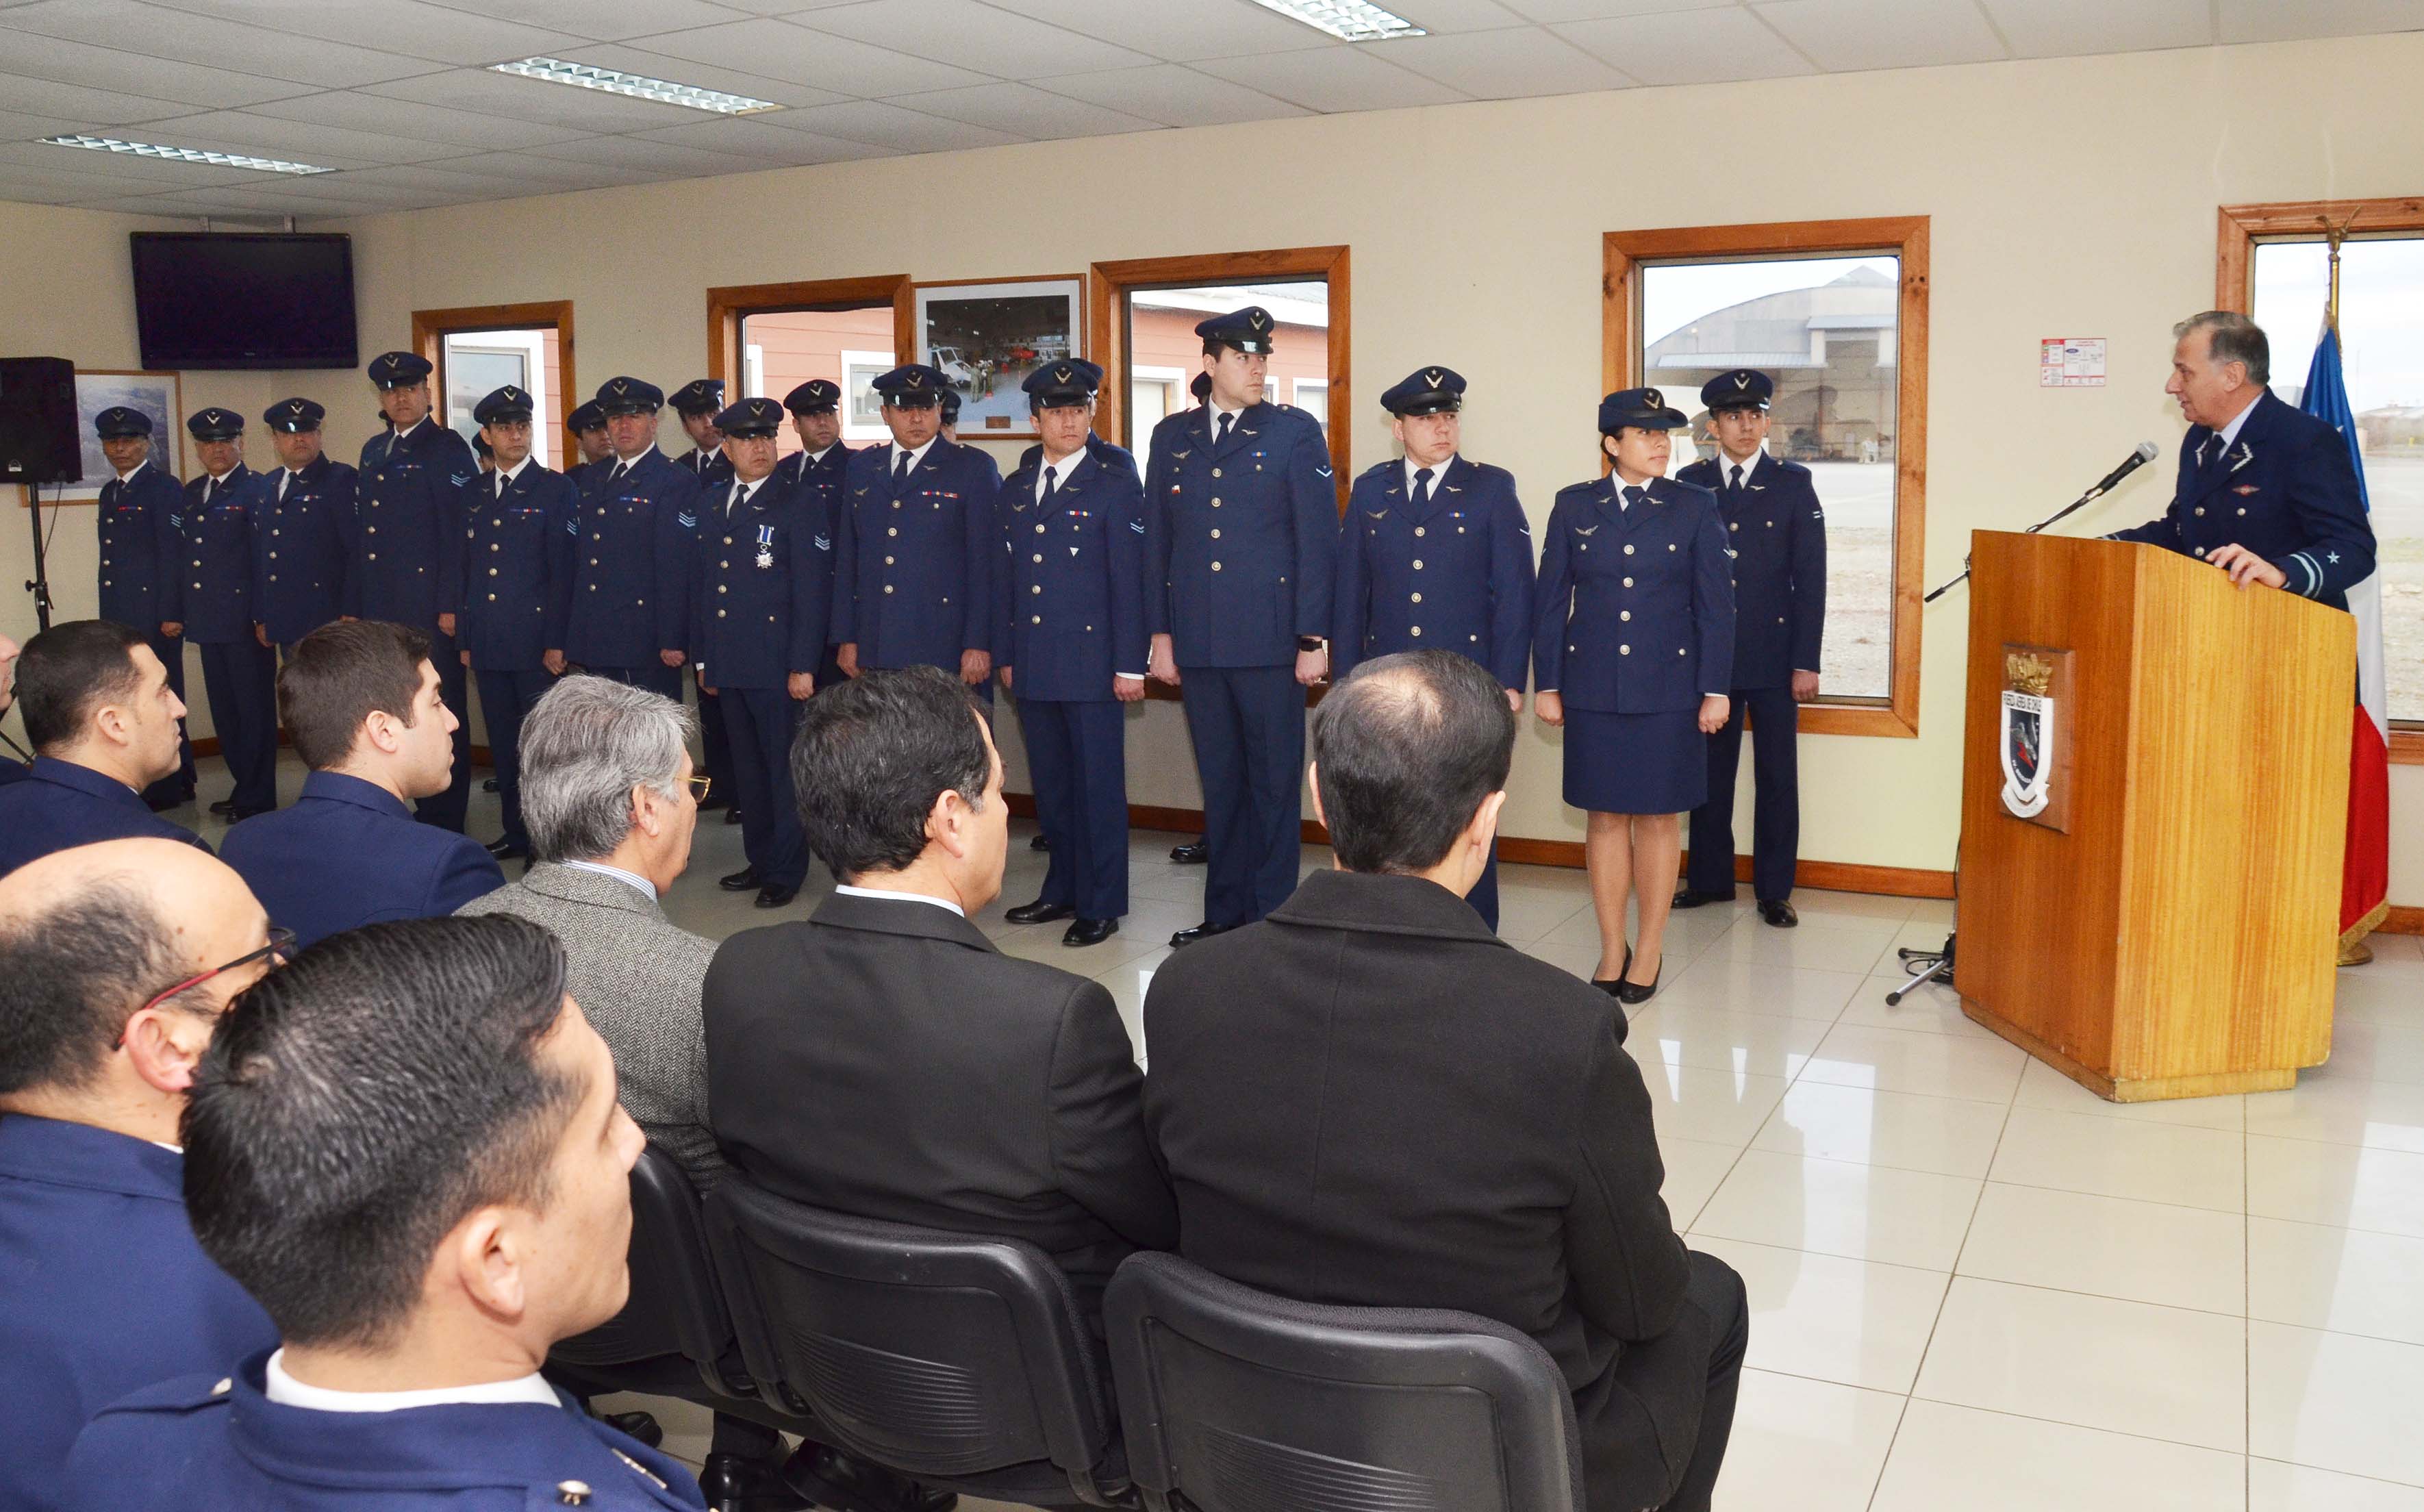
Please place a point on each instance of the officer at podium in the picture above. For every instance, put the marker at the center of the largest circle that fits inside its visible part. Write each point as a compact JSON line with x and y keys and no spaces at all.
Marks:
{"x":1777,"y":531}
{"x":141,"y":516}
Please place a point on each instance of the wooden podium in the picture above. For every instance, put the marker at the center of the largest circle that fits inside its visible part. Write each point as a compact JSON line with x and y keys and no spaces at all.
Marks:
{"x":2167,"y":924}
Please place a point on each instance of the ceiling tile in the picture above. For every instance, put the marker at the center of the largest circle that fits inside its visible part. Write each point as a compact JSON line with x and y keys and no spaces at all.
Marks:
{"x":351,"y":190}
{"x":1845,"y":36}
{"x":606,"y":21}
{"x":1695,"y":48}
{"x":883,"y":125}
{"x":1172,"y":95}
{"x":241,"y":131}
{"x":413,"y":119}
{"x":2068,"y":28}
{"x":971,"y":36}
{"x":129,"y":204}
{"x":1201,"y":28}
{"x":2267,"y":21}
{"x":1503,"y":65}
{"x":767,"y":144}
{"x":702,"y":76}
{"x":650,"y":155}
{"x":234,"y":201}
{"x":122,"y":166}
{"x":1554,"y":10}
{"x":521,"y":173}
{"x":68,"y":102}
{"x":211,"y":41}
{"x":1333,"y":78}
{"x":100,"y":68}
{"x":1438,"y":16}
{"x":23,"y":181}
{"x":534,"y":100}
{"x":779,"y":49}
{"x":1024,"y":110}
{"x":412,"y":27}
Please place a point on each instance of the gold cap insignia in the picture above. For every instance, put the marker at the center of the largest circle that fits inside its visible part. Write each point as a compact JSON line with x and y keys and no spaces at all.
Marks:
{"x":1742,"y":380}
{"x":1257,"y":319}
{"x":915,"y":380}
{"x":1433,"y":377}
{"x":1652,"y":399}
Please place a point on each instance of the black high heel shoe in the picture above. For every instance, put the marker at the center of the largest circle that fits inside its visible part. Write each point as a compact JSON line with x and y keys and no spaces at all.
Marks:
{"x":1614,"y":988}
{"x":1633,"y":994}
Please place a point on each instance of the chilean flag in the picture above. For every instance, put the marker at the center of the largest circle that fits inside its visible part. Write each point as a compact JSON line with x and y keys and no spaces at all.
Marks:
{"x":2364,"y":872}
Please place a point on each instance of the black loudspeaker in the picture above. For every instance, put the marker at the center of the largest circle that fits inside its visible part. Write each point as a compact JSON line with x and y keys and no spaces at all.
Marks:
{"x":37,"y":420}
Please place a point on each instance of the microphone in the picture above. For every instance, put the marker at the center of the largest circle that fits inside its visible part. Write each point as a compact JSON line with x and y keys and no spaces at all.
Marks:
{"x":2146,"y":452}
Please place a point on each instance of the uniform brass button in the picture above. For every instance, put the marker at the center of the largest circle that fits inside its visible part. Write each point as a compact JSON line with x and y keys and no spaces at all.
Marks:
{"x":1671,"y":545}
{"x":1417,"y":629}
{"x":1037,"y":589}
{"x":1039,"y":529}
{"x":1779,"y":619}
{"x":1215,"y":536}
{"x":1418,"y":532}
{"x":887,"y":587}
{"x":1735,"y":526}
{"x":887,"y":561}
{"x":2242,"y":512}
{"x":1678,"y":650}
{"x":494,"y":546}
{"x":374,"y":529}
{"x":1624,"y":613}
{"x":1418,"y":563}
{"x":2200,"y":551}
{"x":895,"y":504}
{"x":1216,"y":472}
{"x":1628,"y":550}
{"x":1417,"y":597}
{"x":723,"y":588}
{"x":1624,"y":651}
{"x":492,"y":572}
{"x":896,"y":530}
{"x":492,"y":599}
{"x":1035,"y":619}
{"x":1216,"y":503}
{"x":727,"y":540}
{"x":1771,"y":524}
{"x":273,"y":556}
{"x":1039,"y":556}
{"x":1216,"y":566}
{"x":593,"y":561}
{"x":719,"y":613}
{"x":1628,"y":582}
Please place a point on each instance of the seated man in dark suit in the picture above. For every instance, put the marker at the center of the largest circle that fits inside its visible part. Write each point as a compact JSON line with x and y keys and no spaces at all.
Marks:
{"x":116,"y":960}
{"x":103,"y":721}
{"x":1460,"y":1129}
{"x":360,"y":699}
{"x":882,"y":1058}
{"x":481,"y":1213}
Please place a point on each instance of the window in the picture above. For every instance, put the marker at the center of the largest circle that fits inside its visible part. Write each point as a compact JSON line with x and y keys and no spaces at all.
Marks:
{"x":479,"y":350}
{"x":1313,"y":397}
{"x":1153,"y":395}
{"x":1835,"y":313}
{"x":766,"y":340}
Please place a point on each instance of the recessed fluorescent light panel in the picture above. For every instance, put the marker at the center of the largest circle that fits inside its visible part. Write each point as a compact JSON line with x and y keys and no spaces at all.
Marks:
{"x":1353,"y":20}
{"x":638,"y":86}
{"x":185,"y":154}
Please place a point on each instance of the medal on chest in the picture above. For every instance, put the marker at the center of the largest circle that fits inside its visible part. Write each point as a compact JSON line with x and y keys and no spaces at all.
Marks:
{"x":765,"y":546}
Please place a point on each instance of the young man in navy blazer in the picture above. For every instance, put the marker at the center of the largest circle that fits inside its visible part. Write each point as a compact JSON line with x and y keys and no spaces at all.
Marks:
{"x":361,"y":700}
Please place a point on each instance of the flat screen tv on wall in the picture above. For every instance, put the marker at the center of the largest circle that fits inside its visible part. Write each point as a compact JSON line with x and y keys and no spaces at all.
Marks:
{"x":226,"y":301}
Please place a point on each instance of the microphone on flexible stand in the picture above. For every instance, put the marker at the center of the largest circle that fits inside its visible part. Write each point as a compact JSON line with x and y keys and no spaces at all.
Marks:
{"x":2146,"y":452}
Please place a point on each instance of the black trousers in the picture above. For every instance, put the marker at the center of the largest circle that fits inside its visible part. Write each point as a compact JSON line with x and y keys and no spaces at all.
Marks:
{"x":1776,"y":798}
{"x":178,"y":786}
{"x":1717,"y":1291}
{"x":240,"y":677}
{"x":757,"y":724}
{"x":715,"y":739}
{"x":1076,"y":756}
{"x":505,"y":699}
{"x":1248,"y":727}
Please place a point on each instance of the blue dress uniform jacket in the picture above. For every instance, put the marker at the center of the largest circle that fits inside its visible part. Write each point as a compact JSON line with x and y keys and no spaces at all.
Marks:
{"x":825,"y":480}
{"x":302,"y":546}
{"x":1621,"y":630}
{"x":707,"y":469}
{"x":1457,"y":575}
{"x":59,"y":805}
{"x":632,"y":564}
{"x":1777,"y":531}
{"x":142,"y":546}
{"x":1240,"y":538}
{"x":1072,"y":616}
{"x":211,"y":588}
{"x":410,"y":497}
{"x":765,"y":584}
{"x":517,"y":570}
{"x":347,"y":853}
{"x":2284,"y":490}
{"x":915,"y":564}
{"x":107,"y":1292}
{"x":215,"y":1443}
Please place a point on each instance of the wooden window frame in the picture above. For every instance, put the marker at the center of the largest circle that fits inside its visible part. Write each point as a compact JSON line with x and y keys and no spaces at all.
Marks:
{"x":1906,"y":236}
{"x":1107,"y":286}
{"x":729,"y":306}
{"x":430,"y":328}
{"x":2240,"y":228}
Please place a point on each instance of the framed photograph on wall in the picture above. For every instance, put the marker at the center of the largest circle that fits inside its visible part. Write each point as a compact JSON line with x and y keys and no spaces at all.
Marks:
{"x":862,"y":413}
{"x":986,"y":337}
{"x":156,"y":395}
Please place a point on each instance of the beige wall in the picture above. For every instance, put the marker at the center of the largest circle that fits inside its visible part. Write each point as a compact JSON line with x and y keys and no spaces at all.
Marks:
{"x":2074,"y":196}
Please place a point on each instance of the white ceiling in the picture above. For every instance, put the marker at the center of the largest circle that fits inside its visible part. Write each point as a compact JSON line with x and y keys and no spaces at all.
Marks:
{"x":394,"y":94}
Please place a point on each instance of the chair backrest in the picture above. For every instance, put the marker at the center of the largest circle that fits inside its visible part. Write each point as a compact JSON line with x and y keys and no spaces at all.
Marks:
{"x":939,"y":1355}
{"x":676,"y":1303}
{"x":1234,"y":1400}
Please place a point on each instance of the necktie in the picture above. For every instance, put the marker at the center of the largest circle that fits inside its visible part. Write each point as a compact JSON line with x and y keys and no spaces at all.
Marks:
{"x":1221,"y":429}
{"x":901,"y":473}
{"x":616,"y":476}
{"x":1051,"y":479}
{"x":210,"y":488}
{"x":1632,"y":496}
{"x":1422,"y":486}
{"x":283,"y":480}
{"x":739,"y":496}
{"x":501,"y":487}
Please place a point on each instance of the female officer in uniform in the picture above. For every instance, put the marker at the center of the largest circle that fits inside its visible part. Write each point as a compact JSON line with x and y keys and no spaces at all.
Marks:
{"x":1633,"y":651}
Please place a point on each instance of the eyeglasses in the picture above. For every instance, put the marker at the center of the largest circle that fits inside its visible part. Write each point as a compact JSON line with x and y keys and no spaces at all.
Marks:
{"x":279,"y":949}
{"x":700,"y":785}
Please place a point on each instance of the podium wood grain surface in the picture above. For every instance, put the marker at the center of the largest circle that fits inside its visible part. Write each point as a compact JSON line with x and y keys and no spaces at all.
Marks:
{"x":2178,"y":940}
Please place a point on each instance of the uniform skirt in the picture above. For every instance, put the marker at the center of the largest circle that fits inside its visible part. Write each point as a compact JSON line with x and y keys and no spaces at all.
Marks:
{"x":1635,"y":763}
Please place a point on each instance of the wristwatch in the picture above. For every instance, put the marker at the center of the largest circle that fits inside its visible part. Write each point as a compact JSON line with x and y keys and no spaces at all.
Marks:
{"x":1310,"y":642}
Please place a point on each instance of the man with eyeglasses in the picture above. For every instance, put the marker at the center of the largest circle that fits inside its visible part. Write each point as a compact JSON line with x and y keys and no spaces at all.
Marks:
{"x":116,"y":960}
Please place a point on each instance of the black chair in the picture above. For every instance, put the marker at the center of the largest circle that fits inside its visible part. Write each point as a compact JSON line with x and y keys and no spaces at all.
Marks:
{"x":1234,"y":1400}
{"x":959,"y":1361}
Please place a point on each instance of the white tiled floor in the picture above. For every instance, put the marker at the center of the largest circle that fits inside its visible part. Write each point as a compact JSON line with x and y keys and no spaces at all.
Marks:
{"x":1973,"y":1284}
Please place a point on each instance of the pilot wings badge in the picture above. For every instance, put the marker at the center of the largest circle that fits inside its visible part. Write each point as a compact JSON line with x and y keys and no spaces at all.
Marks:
{"x":2025,"y":744}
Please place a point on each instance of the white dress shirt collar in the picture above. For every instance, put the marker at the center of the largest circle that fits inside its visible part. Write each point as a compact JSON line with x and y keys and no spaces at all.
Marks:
{"x":1213,"y":413}
{"x":407,"y":430}
{"x":1060,"y":470}
{"x":1726,"y":465}
{"x":128,"y":476}
{"x":283,"y":1389}
{"x":647,"y":889}
{"x":510,"y":473}
{"x":2230,"y":433}
{"x":1438,"y":474}
{"x":891,"y":897}
{"x":918,"y":457}
{"x":815,"y":457}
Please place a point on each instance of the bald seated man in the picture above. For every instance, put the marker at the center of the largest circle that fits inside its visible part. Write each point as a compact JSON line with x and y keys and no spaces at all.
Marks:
{"x":116,"y":960}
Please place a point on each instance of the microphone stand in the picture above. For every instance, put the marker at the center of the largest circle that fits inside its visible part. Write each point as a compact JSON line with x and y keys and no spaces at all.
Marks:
{"x":2057,"y":517}
{"x":39,"y":583}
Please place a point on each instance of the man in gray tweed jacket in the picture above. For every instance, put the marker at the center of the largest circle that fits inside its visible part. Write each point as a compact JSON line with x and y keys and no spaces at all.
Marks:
{"x":608,"y":801}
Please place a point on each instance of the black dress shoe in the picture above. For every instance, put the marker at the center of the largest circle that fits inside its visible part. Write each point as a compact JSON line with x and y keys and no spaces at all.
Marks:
{"x":489,"y":785}
{"x":1633,"y":994}
{"x":740,"y":881}
{"x":1612,"y":983}
{"x":735,"y":1483}
{"x":1041,"y":842}
{"x":732,"y":815}
{"x":843,"y":1483}
{"x":1039,"y":912}
{"x":161,"y":806}
{"x":506,"y":849}
{"x":1200,"y":932}
{"x":1091,"y":932}
{"x":640,"y":1425}
{"x":1777,"y":911}
{"x":1193,"y":853}
{"x":225,"y":806}
{"x":773,"y":897}
{"x":1686,"y":897}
